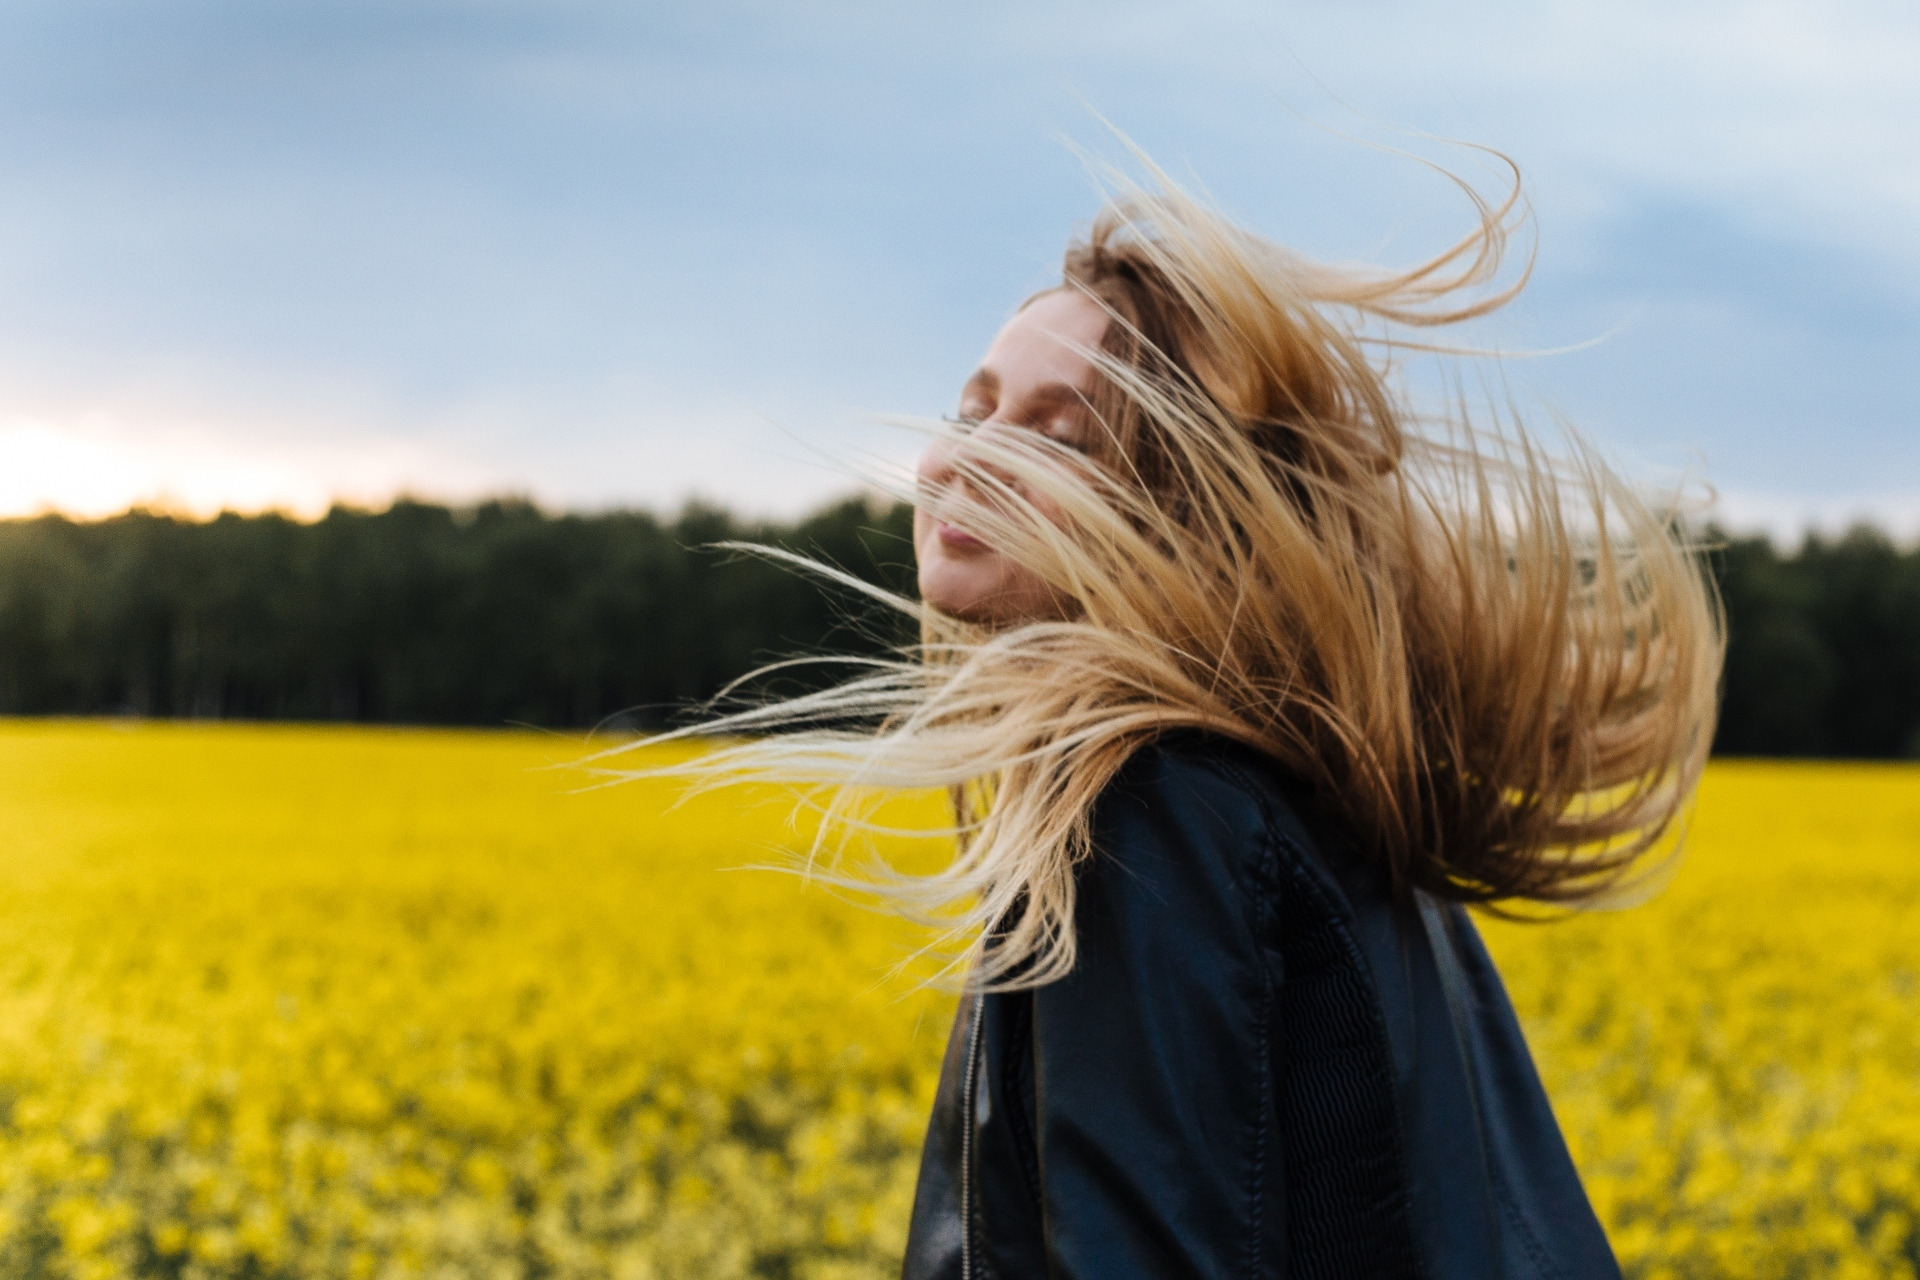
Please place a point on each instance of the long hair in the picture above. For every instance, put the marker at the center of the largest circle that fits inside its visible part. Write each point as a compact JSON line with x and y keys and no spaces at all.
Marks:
{"x":1496,"y":664}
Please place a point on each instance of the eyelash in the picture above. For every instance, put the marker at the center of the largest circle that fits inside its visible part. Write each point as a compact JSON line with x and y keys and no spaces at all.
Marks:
{"x":1068,"y":440}
{"x":969,"y":420}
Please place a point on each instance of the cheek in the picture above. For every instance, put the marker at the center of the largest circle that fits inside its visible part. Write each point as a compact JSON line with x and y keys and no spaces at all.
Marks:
{"x":1045,"y":506}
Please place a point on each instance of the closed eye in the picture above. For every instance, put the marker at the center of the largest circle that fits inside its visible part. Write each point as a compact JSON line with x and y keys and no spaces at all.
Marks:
{"x":1069,"y":431}
{"x":1055,"y":410}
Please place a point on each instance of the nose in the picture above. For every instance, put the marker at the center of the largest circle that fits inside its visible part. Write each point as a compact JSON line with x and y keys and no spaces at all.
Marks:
{"x":948,"y":459}
{"x":936,"y":469}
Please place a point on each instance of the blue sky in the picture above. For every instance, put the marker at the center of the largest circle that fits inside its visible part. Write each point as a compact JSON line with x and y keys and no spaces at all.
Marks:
{"x":266,"y":254}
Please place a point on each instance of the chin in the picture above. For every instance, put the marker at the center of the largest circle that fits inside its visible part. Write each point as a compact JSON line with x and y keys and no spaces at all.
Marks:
{"x":964,"y":589}
{"x":981,"y":589}
{"x":950,"y":598}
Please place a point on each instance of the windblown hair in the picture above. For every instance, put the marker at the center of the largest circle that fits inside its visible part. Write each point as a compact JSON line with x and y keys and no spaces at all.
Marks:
{"x":1496,"y":665}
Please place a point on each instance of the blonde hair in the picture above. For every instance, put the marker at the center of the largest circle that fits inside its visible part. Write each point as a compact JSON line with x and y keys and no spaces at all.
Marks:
{"x":1495,"y":665}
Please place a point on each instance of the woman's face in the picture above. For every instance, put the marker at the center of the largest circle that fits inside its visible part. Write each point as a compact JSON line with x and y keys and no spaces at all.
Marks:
{"x":1031,"y":379}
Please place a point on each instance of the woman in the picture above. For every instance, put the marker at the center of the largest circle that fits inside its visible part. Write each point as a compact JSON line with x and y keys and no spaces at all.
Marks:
{"x":1245,"y":677}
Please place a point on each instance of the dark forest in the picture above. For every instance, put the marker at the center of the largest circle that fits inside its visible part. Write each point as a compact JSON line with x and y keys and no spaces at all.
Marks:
{"x":504,"y":614}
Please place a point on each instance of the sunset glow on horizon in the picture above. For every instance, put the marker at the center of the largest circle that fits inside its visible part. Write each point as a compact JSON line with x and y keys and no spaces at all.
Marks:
{"x":100,"y":470}
{"x":616,"y":256}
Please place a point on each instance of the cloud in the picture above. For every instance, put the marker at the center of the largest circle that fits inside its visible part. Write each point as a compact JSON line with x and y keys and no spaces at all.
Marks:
{"x":1788,"y":516}
{"x":1799,"y":116}
{"x":596,"y":250}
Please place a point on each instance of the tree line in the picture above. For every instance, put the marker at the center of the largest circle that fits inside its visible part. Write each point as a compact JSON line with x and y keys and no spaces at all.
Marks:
{"x":506,"y":614}
{"x":499,"y":614}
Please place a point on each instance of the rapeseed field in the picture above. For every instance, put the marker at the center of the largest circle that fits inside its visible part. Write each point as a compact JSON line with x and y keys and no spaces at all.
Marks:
{"x":367,"y":1003}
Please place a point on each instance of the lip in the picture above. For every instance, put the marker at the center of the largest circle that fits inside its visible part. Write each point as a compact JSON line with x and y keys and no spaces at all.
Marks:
{"x":957,"y":539}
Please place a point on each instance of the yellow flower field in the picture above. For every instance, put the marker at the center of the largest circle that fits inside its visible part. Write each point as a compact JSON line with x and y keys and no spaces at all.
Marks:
{"x":340,"y":1002}
{"x":1737,"y":1063}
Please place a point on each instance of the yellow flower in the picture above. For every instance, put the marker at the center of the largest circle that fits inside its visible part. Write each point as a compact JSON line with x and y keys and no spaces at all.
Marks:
{"x":293,"y":1002}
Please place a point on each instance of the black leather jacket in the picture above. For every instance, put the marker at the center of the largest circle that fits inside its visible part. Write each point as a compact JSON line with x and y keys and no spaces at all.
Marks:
{"x":1260,"y":1066}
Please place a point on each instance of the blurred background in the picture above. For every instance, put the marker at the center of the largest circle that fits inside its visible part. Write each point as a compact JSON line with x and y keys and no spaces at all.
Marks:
{"x":597,"y":254}
{"x":374,"y":374}
{"x":528,"y":259}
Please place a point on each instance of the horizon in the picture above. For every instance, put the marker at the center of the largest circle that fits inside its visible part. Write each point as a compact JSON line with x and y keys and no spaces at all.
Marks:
{"x":1787,"y":541}
{"x":610,"y":258}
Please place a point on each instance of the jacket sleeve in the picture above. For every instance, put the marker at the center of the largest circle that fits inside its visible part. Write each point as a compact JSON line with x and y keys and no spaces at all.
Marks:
{"x":1154,"y":1058}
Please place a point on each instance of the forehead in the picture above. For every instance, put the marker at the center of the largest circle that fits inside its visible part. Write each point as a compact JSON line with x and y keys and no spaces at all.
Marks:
{"x":1044,"y":341}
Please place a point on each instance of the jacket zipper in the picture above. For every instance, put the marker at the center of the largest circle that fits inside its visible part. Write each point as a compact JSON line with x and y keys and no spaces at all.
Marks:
{"x":967,"y":1112}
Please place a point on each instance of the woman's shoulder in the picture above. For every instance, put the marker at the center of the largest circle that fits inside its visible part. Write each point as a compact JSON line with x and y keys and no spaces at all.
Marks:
{"x":1214,"y":789}
{"x":1198,"y":788}
{"x":1193,"y":766}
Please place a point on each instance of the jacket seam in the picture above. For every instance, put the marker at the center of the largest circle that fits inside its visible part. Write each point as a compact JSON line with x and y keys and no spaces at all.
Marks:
{"x":1274,"y":839}
{"x":1256,"y":905}
{"x":1511,"y":1212}
{"x":1262,"y":1122}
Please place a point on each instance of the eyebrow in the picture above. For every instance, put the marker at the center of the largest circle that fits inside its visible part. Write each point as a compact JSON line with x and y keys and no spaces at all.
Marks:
{"x":1047,"y":394}
{"x":985,"y":381}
